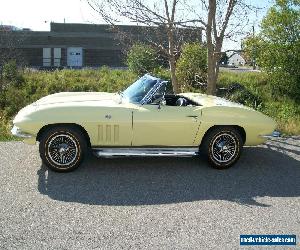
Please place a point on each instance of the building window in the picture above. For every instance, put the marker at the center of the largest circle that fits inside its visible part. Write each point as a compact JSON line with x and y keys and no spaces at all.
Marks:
{"x":57,"y":57}
{"x":47,"y":57}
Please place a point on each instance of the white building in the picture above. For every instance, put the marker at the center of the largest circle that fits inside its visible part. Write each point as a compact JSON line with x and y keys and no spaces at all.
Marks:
{"x":236,"y":59}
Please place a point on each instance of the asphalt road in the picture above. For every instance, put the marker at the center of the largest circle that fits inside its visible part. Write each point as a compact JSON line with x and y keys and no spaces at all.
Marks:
{"x":154,"y":203}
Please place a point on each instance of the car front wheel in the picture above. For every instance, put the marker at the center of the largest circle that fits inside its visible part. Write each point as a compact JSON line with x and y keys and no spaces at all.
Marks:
{"x":62,"y":149}
{"x":223,"y":147}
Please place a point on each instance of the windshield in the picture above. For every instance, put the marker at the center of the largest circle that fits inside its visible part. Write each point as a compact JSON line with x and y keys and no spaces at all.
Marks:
{"x":139,"y":89}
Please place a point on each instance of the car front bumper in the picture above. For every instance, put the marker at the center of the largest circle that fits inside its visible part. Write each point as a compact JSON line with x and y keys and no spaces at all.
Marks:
{"x":16,"y":131}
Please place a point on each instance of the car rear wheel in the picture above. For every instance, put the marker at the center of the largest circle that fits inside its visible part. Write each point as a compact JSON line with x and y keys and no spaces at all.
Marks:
{"x":222,"y":146}
{"x":62,"y":149}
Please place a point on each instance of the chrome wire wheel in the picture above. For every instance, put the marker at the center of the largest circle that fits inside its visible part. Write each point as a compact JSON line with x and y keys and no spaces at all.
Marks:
{"x":224,"y":147}
{"x":62,"y":150}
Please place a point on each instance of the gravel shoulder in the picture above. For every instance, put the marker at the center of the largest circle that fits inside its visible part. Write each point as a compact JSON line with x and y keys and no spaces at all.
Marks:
{"x":154,"y":203}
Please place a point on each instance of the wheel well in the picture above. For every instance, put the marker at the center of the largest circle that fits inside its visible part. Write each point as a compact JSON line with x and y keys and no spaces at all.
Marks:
{"x":84,"y":132}
{"x":240,"y":129}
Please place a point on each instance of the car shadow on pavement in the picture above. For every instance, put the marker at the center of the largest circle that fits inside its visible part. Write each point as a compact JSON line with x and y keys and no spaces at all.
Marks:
{"x":260,"y":172}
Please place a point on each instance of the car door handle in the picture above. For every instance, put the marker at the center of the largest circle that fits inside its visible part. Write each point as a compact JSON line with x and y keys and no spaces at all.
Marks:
{"x":193,"y":116}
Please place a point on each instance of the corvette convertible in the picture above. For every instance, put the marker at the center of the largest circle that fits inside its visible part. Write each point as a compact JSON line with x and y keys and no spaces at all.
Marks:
{"x":143,"y":120}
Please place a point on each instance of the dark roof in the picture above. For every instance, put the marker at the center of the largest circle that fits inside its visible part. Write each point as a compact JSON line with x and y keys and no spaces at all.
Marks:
{"x":90,"y":28}
{"x":103,"y":28}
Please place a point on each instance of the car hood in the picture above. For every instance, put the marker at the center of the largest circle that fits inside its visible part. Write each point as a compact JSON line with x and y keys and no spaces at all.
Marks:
{"x":79,"y":97}
{"x":210,"y":101}
{"x":67,"y":102}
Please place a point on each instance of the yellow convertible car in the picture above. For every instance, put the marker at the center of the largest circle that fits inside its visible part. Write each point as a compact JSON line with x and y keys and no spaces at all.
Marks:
{"x":141,"y":121}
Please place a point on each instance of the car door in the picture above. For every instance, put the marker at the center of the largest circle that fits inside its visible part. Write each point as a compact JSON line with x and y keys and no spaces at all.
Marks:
{"x":161,"y":125}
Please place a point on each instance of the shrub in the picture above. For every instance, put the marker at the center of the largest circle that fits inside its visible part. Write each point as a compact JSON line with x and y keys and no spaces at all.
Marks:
{"x":15,"y":99}
{"x":11,"y":75}
{"x":192,"y":66}
{"x":5,"y":128}
{"x":142,"y":59}
{"x":10,"y":71}
{"x":245,"y":97}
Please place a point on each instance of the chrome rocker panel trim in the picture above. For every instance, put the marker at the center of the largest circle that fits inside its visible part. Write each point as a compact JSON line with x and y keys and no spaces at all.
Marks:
{"x":120,"y":152}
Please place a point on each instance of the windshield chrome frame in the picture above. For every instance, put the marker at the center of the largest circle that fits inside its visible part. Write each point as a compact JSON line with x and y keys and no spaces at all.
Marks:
{"x":152,"y":91}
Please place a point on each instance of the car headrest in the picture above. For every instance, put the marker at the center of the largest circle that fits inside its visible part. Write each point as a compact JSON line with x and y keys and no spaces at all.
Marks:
{"x":181,"y":102}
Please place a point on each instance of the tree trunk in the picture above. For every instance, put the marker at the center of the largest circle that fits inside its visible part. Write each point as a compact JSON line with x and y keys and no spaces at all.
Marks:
{"x":214,"y":46}
{"x":175,"y":86}
{"x":214,"y":53}
{"x":211,"y":60}
{"x":172,"y":62}
{"x":212,"y":72}
{"x":211,"y":75}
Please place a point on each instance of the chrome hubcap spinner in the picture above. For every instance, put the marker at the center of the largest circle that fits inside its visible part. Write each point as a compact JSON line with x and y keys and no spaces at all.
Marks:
{"x":62,"y":150}
{"x":224,"y":147}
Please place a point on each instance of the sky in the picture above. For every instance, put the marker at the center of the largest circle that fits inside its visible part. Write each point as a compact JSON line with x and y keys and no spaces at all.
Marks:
{"x":37,"y":14}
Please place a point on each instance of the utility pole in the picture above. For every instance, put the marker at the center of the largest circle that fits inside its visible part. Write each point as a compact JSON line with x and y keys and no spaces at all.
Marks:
{"x":253,"y":50}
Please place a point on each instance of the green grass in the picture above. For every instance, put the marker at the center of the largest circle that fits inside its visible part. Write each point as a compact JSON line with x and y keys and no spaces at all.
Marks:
{"x":285,"y":110}
{"x":36,"y":84}
{"x":5,"y":128}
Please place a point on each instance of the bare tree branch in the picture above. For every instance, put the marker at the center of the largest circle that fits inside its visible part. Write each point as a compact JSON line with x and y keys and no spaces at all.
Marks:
{"x":167,"y":26}
{"x":220,"y":19}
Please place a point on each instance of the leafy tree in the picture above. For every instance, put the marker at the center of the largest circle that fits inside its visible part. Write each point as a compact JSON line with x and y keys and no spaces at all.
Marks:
{"x":252,"y":47}
{"x":281,"y":56}
{"x":282,"y":23}
{"x":192,"y":65}
{"x":142,"y":59}
{"x":278,"y":47}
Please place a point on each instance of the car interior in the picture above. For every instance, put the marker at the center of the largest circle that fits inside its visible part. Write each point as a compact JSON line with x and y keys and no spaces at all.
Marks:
{"x":173,"y":100}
